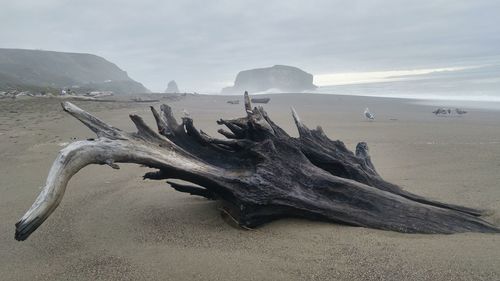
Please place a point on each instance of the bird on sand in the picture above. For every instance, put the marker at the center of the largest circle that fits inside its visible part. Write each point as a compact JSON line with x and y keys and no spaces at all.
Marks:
{"x":369,"y":115}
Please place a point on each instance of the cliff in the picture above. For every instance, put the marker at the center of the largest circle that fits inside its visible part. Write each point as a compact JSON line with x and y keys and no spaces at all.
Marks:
{"x":35,"y":68}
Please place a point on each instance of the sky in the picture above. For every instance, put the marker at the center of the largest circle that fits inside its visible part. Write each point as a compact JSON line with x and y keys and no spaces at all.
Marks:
{"x":204,"y":44}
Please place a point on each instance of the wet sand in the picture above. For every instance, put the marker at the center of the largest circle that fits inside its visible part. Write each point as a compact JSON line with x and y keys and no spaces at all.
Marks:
{"x":112,"y":225}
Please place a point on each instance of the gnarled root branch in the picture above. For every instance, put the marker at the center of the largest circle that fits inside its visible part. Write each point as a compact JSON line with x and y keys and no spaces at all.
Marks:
{"x":259,"y":172}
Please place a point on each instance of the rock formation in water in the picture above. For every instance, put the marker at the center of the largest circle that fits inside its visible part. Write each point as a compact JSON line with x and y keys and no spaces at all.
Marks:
{"x":172,"y":87}
{"x":281,"y":77}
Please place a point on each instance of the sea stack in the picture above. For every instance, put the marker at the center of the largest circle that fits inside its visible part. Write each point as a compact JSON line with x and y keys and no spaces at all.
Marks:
{"x":282,"y":78}
{"x":172,"y":87}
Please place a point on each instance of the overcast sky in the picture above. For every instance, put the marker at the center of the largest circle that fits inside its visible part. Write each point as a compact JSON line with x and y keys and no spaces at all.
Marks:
{"x":203,"y":44}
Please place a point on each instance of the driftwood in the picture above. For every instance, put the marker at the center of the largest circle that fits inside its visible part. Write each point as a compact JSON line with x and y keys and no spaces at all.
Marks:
{"x":144,"y":100}
{"x":261,"y":100}
{"x":448,"y":111}
{"x":259,"y":173}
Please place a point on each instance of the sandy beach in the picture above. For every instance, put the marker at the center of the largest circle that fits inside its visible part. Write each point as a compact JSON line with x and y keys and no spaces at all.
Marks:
{"x":112,"y":225}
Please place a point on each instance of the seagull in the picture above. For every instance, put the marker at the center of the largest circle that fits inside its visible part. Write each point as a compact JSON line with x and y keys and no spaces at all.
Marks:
{"x":185,"y":113}
{"x":368,"y":114}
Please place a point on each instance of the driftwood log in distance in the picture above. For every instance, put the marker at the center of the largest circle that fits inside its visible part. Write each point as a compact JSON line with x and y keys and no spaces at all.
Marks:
{"x":258,"y":171}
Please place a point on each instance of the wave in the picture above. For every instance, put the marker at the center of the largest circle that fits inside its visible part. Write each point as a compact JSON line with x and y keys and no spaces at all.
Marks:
{"x":419,"y":96}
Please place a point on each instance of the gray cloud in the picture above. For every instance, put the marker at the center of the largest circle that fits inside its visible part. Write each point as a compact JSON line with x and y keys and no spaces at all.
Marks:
{"x":202,"y":44}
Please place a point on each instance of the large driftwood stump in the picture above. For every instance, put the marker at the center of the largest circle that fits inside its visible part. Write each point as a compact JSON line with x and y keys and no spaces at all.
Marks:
{"x":258,"y":171}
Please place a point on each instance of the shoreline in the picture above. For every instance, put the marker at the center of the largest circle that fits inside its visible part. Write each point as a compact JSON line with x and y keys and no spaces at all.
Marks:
{"x":162,"y":97}
{"x":492,"y":104}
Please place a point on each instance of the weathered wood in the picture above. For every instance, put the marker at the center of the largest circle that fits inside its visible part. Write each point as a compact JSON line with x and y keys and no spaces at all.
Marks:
{"x":261,"y":100}
{"x":259,"y":172}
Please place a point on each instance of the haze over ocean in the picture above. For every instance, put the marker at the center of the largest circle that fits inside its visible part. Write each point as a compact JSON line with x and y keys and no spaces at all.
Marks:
{"x":480,"y":84}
